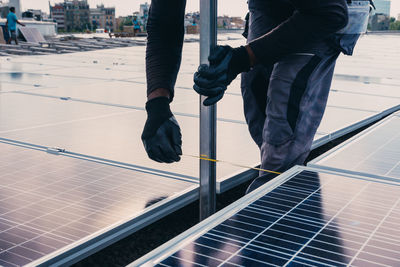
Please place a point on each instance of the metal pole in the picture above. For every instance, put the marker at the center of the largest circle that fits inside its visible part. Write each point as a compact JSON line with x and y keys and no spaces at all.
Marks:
{"x":208,"y":115}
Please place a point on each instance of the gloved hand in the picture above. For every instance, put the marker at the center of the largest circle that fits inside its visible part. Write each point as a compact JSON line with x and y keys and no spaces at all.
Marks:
{"x":225,"y":64}
{"x":161,"y":135}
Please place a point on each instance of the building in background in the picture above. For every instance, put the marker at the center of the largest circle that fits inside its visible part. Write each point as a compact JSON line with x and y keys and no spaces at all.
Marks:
{"x":382,"y":7}
{"x":380,"y":22}
{"x":5,"y":8}
{"x":57,"y":13}
{"x":103,"y":18}
{"x":77,"y":15}
{"x":33,"y":14}
{"x":230,"y":23}
{"x":71,"y":15}
{"x":110,"y":22}
{"x":97,"y":18}
{"x":143,"y":15}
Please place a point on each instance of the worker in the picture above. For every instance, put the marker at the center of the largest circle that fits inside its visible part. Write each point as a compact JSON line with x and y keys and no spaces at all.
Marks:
{"x":136,"y":25}
{"x":287,"y":68}
{"x":11,"y":25}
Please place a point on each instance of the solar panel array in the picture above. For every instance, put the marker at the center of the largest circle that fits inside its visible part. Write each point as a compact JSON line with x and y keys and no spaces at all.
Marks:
{"x":312,"y":218}
{"x":374,"y":152}
{"x":49,"y":202}
{"x":32,"y":35}
{"x":2,"y":40}
{"x":92,"y":103}
{"x":115,"y":80}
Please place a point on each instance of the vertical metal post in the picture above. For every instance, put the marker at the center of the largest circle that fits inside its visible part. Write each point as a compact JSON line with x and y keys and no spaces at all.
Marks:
{"x":208,"y":115}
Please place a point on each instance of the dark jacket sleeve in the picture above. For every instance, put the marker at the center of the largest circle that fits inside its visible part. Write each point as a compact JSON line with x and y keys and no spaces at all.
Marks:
{"x":312,"y":21}
{"x":165,"y":28}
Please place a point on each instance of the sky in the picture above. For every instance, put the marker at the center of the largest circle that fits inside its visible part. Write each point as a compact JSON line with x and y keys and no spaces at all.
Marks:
{"x":127,"y":7}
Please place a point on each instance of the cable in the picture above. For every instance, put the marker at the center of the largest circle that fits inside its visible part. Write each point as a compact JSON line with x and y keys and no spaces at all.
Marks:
{"x":205,"y":157}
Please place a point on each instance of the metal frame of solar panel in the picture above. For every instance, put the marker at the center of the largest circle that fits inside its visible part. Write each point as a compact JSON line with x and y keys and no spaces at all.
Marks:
{"x":304,"y":217}
{"x":58,"y":208}
{"x":356,"y":154}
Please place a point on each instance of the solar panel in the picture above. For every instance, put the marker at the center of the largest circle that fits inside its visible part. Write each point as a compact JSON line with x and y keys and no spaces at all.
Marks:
{"x":356,"y":88}
{"x":2,"y":39}
{"x":22,"y":112}
{"x":373,"y":103}
{"x":374,"y":152}
{"x":57,"y":208}
{"x":32,"y":35}
{"x":129,"y":95}
{"x":306,"y":217}
{"x":116,"y":77}
{"x":117,"y":137}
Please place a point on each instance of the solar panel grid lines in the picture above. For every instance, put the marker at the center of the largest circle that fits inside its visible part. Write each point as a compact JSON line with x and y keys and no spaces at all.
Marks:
{"x":374,"y":152}
{"x":50,"y":202}
{"x":266,"y":230}
{"x":392,"y":209}
{"x":289,"y":211}
{"x":114,"y":65}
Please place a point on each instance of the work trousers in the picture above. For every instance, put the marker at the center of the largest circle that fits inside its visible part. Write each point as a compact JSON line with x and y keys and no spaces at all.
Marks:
{"x":285,"y":102}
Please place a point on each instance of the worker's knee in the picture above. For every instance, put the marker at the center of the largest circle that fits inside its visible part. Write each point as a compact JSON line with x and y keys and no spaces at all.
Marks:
{"x":277,"y":131}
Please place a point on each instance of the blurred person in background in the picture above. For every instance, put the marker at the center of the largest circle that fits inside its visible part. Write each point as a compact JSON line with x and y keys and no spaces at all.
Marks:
{"x":11,"y":25}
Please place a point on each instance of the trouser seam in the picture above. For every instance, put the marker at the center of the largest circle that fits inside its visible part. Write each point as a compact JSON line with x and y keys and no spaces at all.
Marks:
{"x":298,"y":90}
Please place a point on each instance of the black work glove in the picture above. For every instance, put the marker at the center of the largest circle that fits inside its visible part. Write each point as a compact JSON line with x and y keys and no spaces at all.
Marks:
{"x":225,"y":64}
{"x":161,"y":135}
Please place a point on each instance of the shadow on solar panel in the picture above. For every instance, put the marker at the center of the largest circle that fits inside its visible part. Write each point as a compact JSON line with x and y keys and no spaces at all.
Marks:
{"x":307,"y":217}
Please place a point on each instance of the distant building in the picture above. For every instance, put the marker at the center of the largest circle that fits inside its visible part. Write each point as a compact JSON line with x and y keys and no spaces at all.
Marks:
{"x":57,"y":13}
{"x":103,"y":18}
{"x":33,"y":14}
{"x":382,"y":7}
{"x":380,"y":22}
{"x":76,"y":15}
{"x":226,"y":22}
{"x":119,"y":21}
{"x":111,"y":23}
{"x":4,"y":10}
{"x":71,"y":15}
{"x":143,"y":15}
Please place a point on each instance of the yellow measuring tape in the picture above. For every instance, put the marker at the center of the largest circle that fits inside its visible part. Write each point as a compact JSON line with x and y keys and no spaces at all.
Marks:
{"x":205,"y":157}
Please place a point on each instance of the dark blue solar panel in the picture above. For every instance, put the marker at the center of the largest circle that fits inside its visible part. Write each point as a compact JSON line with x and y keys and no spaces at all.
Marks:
{"x":313,"y":219}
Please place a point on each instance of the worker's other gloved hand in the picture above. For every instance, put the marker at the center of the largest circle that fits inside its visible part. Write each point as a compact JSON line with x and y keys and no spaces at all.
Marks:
{"x":161,"y":136}
{"x":225,"y":64}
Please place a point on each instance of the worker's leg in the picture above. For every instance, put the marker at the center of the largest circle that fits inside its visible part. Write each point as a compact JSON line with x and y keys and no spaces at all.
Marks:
{"x":14,"y":37}
{"x":255,"y":83}
{"x":9,"y":38}
{"x":254,"y":91}
{"x":297,"y":96}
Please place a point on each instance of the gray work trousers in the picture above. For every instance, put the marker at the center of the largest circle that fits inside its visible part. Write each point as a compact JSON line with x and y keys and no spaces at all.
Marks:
{"x":285,"y":102}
